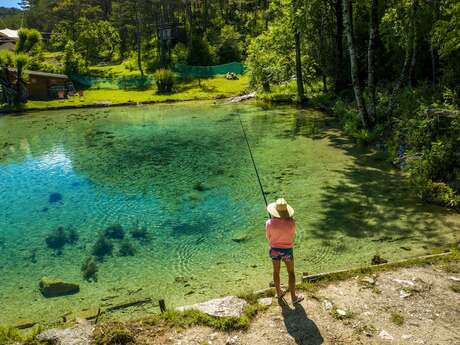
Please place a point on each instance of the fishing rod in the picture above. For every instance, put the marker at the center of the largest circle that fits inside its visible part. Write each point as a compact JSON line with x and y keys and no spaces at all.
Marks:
{"x":253,"y":161}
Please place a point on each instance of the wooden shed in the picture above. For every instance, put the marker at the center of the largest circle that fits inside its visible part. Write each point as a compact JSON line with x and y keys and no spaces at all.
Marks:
{"x":43,"y":85}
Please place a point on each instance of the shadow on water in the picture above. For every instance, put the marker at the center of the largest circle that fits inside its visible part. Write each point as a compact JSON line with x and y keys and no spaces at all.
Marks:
{"x":299,"y":326}
{"x":373,"y":200}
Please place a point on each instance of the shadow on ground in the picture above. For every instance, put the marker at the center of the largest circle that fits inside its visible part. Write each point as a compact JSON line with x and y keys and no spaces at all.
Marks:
{"x":299,"y":326}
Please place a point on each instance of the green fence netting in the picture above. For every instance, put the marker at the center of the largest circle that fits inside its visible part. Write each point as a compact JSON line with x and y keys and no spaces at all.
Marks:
{"x":136,"y":82}
{"x":209,"y":71}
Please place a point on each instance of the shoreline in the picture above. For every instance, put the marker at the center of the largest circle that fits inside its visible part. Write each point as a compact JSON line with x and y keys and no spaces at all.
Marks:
{"x":305,"y":284}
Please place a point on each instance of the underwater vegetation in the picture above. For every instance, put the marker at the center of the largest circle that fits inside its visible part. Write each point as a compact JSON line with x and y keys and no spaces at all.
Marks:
{"x":114,"y":231}
{"x":54,"y":197}
{"x":89,"y":269}
{"x":200,"y":187}
{"x":139,"y":233}
{"x":102,"y":247}
{"x":72,"y":235}
{"x":126,"y":248}
{"x":59,"y":237}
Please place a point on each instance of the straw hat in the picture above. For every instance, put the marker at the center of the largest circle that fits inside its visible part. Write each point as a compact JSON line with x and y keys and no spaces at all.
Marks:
{"x":280,"y":209}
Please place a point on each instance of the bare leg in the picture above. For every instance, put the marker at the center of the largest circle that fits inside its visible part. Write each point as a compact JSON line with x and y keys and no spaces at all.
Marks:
{"x":291,"y":274}
{"x":276,"y":276}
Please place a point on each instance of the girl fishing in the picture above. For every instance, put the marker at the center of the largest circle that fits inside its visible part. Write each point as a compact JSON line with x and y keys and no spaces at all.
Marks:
{"x":280,"y":231}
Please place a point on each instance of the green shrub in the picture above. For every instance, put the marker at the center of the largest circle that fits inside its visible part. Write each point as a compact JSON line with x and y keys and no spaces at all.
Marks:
{"x":164,"y":80}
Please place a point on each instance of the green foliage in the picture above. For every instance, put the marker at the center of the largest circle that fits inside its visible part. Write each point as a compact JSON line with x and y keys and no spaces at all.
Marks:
{"x":28,"y":40}
{"x":73,"y":60}
{"x":202,"y":53}
{"x":164,"y":80}
{"x":229,"y":47}
{"x":433,"y":158}
{"x":179,"y":53}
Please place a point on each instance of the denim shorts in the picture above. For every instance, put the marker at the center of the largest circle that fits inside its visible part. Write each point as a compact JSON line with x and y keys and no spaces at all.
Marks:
{"x":285,"y":254}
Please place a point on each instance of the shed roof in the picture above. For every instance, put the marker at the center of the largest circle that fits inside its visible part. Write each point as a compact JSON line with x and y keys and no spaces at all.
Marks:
{"x":9,"y":33}
{"x":43,"y":74}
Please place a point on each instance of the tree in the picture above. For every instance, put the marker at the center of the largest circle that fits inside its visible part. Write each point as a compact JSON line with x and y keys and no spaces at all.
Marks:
{"x":348,"y":24}
{"x":407,"y":60}
{"x":339,"y":82}
{"x":371,"y":83}
{"x":298,"y":57}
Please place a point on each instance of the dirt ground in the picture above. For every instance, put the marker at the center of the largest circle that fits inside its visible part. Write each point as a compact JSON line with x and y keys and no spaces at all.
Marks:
{"x":414,"y":305}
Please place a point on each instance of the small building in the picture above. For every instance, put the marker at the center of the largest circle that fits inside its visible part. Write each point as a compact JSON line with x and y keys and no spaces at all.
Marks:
{"x":43,"y":85}
{"x":8,"y":39}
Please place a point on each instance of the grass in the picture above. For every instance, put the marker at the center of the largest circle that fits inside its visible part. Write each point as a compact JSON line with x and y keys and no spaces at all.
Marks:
{"x":397,"y":318}
{"x":9,"y":334}
{"x":210,"y":88}
{"x":454,"y":255}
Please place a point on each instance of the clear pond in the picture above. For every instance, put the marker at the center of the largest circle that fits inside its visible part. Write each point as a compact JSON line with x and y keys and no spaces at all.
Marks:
{"x":184,"y":174}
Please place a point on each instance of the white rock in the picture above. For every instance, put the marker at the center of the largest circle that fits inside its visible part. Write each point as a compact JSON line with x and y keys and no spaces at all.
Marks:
{"x":341,"y":312}
{"x":404,"y":282}
{"x":265,"y":301}
{"x":455,"y":279}
{"x":327,"y":305}
{"x":406,"y":336}
{"x":403,"y":294}
{"x":368,"y":280}
{"x":385,"y":335}
{"x":220,"y":307}
{"x":231,"y":340}
{"x":79,"y":334}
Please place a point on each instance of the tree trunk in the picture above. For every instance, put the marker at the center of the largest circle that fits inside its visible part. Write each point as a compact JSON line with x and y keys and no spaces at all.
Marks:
{"x":298,"y":56}
{"x":371,"y":83}
{"x":205,"y":15}
{"x":403,"y":75}
{"x":190,"y":26}
{"x":348,"y":25}
{"x":138,"y":41}
{"x":433,"y":52}
{"x":413,"y":60}
{"x":298,"y":68}
{"x":339,"y":83}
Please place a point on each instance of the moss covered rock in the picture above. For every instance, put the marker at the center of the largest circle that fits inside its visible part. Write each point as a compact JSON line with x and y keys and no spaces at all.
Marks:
{"x":54,"y":287}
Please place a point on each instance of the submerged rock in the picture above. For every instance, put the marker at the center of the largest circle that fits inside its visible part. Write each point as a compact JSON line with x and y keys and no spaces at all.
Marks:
{"x":377,"y":260}
{"x":229,"y":306}
{"x":240,"y":238}
{"x":55,"y":288}
{"x":55,"y":197}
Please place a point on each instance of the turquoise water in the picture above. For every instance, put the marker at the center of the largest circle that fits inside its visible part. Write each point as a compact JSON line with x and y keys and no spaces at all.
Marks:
{"x":184,"y":173}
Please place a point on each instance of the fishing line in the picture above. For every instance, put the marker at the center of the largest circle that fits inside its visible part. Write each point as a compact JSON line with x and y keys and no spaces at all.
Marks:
{"x":253,"y":161}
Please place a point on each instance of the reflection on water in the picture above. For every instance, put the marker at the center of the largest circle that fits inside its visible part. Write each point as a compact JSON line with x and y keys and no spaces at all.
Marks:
{"x":183,"y":175}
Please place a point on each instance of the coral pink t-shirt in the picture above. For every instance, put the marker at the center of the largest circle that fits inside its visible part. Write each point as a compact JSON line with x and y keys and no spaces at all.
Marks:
{"x":280,"y":232}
